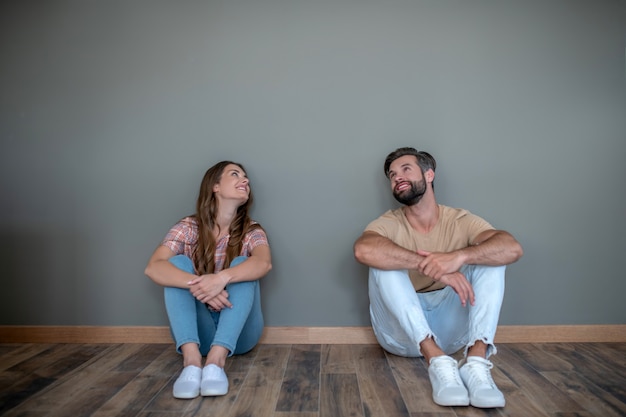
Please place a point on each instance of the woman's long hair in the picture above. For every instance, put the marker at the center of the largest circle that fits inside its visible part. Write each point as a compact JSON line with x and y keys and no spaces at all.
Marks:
{"x":206,"y":215}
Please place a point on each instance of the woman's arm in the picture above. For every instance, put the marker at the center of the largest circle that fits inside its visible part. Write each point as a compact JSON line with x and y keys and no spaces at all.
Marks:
{"x":258,"y":264}
{"x":162,"y":272}
{"x":209,"y":288}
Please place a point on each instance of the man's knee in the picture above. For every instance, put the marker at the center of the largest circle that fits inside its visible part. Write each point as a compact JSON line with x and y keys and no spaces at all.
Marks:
{"x":476,"y":274}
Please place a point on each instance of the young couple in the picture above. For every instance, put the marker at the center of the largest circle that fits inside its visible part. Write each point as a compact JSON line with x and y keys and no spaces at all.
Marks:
{"x":436,"y":281}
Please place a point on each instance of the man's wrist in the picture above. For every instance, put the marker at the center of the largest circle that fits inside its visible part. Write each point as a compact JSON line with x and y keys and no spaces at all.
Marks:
{"x":465,"y":255}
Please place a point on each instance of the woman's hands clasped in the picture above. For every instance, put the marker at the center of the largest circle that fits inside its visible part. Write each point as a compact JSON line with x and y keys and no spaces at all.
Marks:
{"x":210,"y":289}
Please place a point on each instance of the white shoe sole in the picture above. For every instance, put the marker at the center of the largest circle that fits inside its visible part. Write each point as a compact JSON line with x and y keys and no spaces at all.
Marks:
{"x":186,"y":395}
{"x":213,"y":392}
{"x":449,"y":403}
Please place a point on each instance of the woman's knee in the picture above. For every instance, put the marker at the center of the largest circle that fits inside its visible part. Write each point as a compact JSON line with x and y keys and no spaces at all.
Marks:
{"x":249,"y":288}
{"x":238,"y":260}
{"x":182,"y":262}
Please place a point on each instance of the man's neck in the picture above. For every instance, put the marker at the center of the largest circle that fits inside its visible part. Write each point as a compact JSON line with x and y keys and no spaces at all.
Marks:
{"x":424,"y":215}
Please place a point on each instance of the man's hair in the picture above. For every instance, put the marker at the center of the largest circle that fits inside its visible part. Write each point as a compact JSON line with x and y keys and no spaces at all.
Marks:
{"x":424,"y":159}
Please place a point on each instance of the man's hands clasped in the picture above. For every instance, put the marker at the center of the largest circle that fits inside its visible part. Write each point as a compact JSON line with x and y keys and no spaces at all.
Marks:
{"x":444,"y":267}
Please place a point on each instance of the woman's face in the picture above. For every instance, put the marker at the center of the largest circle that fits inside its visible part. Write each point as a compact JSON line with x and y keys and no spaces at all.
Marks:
{"x":233,"y":185}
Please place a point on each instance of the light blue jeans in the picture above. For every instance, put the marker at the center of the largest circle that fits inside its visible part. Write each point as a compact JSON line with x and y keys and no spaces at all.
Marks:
{"x":402,"y":319}
{"x":238,"y":329}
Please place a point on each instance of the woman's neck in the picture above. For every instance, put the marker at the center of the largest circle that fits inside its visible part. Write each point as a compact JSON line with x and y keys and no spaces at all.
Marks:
{"x":223,"y":221}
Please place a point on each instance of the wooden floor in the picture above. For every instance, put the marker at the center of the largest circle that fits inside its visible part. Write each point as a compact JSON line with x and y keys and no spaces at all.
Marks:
{"x":559,"y":379}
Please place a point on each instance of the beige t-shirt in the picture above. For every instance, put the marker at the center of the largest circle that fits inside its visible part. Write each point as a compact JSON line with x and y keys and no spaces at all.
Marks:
{"x":456,"y":229}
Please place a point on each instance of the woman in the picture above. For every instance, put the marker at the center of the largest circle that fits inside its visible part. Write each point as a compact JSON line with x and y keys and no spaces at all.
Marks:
{"x":213,"y":310}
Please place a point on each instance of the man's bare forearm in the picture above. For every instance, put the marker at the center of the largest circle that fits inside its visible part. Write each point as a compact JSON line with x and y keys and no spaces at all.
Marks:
{"x":377,"y":251}
{"x":497,"y":248}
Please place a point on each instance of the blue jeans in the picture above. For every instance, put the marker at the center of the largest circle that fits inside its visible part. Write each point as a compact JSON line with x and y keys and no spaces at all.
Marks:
{"x":402,"y":319}
{"x":238,"y":329}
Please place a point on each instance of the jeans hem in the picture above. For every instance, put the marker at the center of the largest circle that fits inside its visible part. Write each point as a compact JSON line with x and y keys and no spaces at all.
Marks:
{"x":491,"y":347}
{"x":178,"y":345}
{"x":230,"y":348}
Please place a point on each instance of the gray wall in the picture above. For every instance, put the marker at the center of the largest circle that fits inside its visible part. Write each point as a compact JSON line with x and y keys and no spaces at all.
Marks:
{"x":111,"y":111}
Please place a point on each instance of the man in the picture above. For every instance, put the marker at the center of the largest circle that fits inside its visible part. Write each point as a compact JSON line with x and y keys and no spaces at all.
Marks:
{"x":436,"y":283}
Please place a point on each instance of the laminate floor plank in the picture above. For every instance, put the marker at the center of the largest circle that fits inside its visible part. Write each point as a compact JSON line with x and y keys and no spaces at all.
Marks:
{"x":135,"y":380}
{"x":380,"y":394}
{"x":337,"y":359}
{"x":257,"y":397}
{"x":258,"y":394}
{"x":219,"y":406}
{"x":541,"y":359}
{"x":271,"y":360}
{"x":38,"y":372}
{"x":12,"y":354}
{"x":143,"y":357}
{"x":241,"y":363}
{"x":300,"y":390}
{"x":613,"y":354}
{"x":537,"y":389}
{"x":608,"y":360}
{"x":209,"y":406}
{"x":22,"y":391}
{"x":57,"y":359}
{"x":517,"y":403}
{"x":78,"y":383}
{"x":91,"y":399}
{"x":340,"y":396}
{"x":586,"y":393}
{"x":605,"y":372}
{"x":141,"y":391}
{"x":411,"y":376}
{"x":163,"y":401}
{"x":479,"y":412}
{"x":370,"y":359}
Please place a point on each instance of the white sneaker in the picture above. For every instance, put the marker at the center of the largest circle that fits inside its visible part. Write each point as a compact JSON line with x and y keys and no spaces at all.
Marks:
{"x":476,"y":374}
{"x":214,"y":381}
{"x":188,"y":383}
{"x":448,"y":389}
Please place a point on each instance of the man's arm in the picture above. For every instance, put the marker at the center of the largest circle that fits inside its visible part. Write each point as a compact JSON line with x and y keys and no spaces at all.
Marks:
{"x":379,"y":252}
{"x":491,"y":247}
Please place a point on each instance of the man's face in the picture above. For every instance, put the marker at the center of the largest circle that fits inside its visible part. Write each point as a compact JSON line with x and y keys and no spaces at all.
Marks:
{"x":407,"y":180}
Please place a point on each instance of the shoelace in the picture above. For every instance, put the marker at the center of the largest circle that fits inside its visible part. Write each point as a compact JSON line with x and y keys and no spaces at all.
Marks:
{"x":479,"y":374}
{"x":445,"y":372}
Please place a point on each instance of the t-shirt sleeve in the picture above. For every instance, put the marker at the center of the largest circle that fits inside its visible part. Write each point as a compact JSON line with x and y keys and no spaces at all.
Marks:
{"x":254,"y":238}
{"x":180,"y":236}
{"x":385,"y":225}
{"x":474,"y":225}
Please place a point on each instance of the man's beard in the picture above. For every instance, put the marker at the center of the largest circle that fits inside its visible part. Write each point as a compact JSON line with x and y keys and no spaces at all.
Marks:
{"x":413,"y":195}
